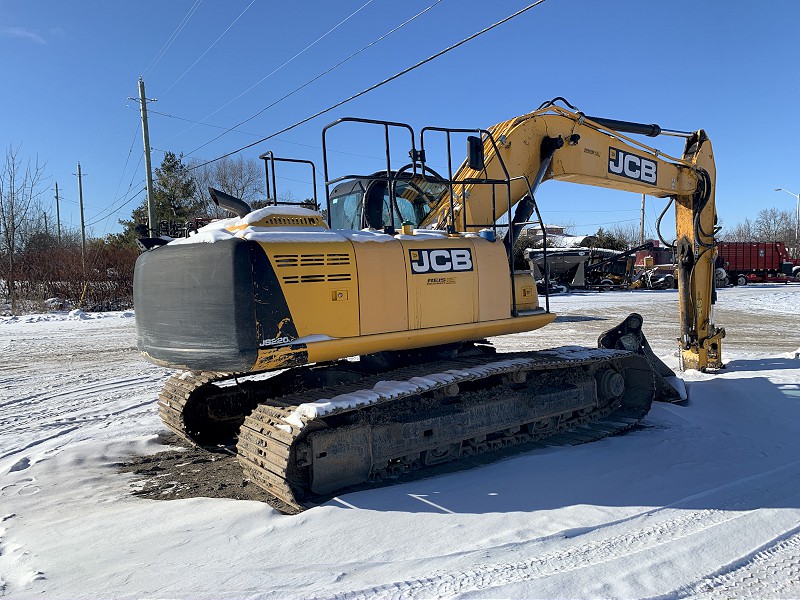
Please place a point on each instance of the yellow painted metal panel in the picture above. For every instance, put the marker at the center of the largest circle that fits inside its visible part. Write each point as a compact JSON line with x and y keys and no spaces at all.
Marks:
{"x":441,"y":289}
{"x":320,"y":284}
{"x":383,"y":298}
{"x":494,"y":281}
{"x":406,"y":340}
{"x":527,"y":296}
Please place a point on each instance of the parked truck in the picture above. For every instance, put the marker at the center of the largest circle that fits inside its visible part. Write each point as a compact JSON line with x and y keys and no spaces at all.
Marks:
{"x":751,"y":262}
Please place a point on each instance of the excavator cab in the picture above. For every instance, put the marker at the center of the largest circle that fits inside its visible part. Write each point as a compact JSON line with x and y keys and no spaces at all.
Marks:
{"x":381,"y":201}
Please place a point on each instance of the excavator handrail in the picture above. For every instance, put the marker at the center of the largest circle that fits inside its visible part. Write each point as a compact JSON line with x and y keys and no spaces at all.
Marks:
{"x":452,"y":177}
{"x":270,"y":159}
{"x":389,"y":171}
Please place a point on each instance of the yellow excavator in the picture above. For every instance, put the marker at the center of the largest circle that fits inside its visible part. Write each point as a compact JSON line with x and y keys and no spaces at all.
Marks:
{"x":345,"y":349}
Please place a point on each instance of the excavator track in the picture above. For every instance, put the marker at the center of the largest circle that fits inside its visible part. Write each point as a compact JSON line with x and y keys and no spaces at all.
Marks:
{"x":174,"y":396}
{"x":332,"y":432}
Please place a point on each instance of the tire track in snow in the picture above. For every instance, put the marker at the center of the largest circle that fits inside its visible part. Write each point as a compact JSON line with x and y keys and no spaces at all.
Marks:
{"x":60,"y":402}
{"x":81,"y":391}
{"x":771,"y":571}
{"x":78,"y":424}
{"x":587,"y":552}
{"x":590,"y":553}
{"x":62,"y":410}
{"x":35,"y":443}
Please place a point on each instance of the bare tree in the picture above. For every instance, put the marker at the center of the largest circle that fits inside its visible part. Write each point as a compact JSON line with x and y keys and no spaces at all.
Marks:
{"x":628,"y":233}
{"x":569,"y":227}
{"x":204,"y":179}
{"x":741,"y":232}
{"x":240,"y":177}
{"x":20,"y":190}
{"x":771,"y":225}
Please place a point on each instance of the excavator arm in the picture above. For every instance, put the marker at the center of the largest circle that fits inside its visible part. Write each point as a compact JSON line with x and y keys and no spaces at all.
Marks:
{"x":556,"y":143}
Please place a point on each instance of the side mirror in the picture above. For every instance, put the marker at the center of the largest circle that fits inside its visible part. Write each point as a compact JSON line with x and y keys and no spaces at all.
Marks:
{"x":475,"y":153}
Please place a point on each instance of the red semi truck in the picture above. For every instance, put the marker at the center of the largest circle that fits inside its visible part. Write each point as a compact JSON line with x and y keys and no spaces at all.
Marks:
{"x":750,"y":262}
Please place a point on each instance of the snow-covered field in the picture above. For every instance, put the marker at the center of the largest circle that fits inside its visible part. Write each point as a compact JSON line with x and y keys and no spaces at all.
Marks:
{"x":702,"y":502}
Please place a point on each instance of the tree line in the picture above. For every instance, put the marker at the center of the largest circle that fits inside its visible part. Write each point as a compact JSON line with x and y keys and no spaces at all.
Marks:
{"x":769,"y":225}
{"x":41,"y":270}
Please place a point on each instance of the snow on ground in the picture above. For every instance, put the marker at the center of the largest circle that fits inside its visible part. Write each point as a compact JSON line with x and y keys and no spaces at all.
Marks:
{"x":704,"y":501}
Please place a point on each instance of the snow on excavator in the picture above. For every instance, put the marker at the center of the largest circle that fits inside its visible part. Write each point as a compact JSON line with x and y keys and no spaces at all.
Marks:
{"x":341,"y":351}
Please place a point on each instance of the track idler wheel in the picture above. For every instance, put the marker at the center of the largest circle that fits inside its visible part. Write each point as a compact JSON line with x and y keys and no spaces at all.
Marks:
{"x":610,"y":384}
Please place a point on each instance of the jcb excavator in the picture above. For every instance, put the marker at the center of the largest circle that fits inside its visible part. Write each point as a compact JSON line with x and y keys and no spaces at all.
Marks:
{"x":341,"y":351}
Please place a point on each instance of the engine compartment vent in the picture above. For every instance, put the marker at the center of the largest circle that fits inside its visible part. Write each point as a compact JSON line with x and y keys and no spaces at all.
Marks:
{"x":317,"y":278}
{"x":278,"y":220}
{"x":311,"y":260}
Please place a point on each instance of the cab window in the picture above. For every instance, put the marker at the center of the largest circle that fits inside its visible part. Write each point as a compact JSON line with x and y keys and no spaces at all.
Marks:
{"x":346,"y":211}
{"x":412,"y":206}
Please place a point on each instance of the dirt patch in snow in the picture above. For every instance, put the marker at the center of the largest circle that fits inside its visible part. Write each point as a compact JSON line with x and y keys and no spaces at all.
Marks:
{"x":190,"y":472}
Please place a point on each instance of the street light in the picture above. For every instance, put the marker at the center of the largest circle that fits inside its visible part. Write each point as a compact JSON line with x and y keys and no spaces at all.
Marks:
{"x":796,"y":222}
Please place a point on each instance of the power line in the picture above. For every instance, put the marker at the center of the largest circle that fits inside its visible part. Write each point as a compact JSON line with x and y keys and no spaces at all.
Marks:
{"x":309,"y":82}
{"x":89,"y":207}
{"x":376,"y":86}
{"x":174,"y":83}
{"x":609,"y":223}
{"x":311,"y":45}
{"x":131,"y":199}
{"x":112,"y":209}
{"x":250,"y":133}
{"x":125,"y":168}
{"x":277,"y":69}
{"x":155,"y":112}
{"x":595,"y":211}
{"x":172,"y":37}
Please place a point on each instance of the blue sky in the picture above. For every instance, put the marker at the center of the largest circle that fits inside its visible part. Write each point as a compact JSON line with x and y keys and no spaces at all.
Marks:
{"x":729,"y":67}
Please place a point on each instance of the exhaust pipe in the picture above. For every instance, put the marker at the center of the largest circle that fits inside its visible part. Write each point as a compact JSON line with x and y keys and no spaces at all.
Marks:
{"x":230,"y":203}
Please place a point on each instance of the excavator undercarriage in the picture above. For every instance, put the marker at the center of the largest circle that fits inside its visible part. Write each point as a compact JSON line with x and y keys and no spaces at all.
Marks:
{"x":308,"y":432}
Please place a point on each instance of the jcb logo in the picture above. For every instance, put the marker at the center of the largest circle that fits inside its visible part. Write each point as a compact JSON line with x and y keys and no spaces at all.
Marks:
{"x":441,"y":260}
{"x":632,"y":166}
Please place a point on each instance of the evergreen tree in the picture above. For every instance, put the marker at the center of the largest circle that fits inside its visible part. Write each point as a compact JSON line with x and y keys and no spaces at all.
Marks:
{"x":174,"y":198}
{"x":610,"y":240}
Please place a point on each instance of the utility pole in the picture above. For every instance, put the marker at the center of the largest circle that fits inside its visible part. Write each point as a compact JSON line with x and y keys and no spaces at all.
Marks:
{"x":44,"y":214}
{"x":58,"y":216}
{"x":83,"y":226}
{"x":641,"y":225}
{"x":151,"y":206}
